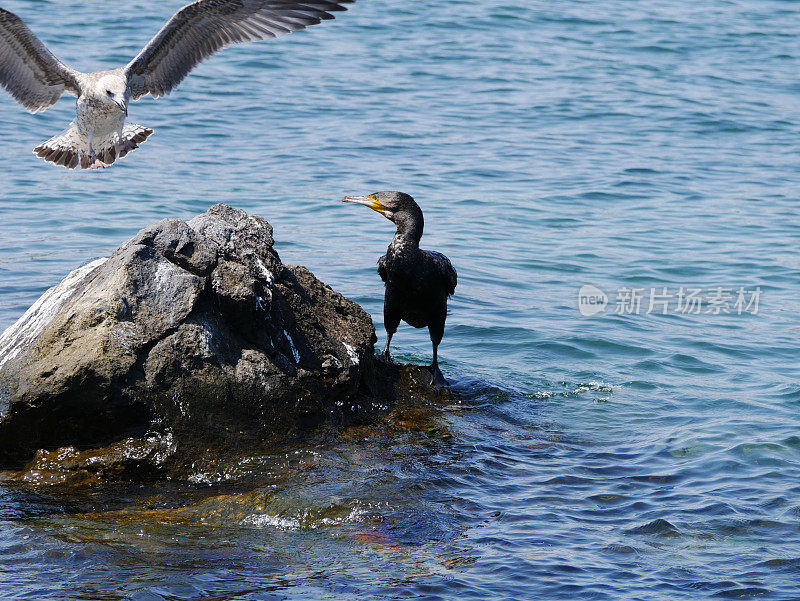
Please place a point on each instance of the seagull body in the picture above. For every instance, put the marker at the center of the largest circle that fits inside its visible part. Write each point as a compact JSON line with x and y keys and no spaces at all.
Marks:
{"x":418,"y":282}
{"x":99,"y":134}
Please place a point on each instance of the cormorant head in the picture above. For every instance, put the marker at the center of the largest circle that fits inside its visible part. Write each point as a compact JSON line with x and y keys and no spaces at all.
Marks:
{"x":387,"y":204}
{"x":397,"y":207}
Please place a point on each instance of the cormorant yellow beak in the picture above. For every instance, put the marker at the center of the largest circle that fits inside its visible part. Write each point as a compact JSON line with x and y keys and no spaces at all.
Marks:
{"x":368,"y":201}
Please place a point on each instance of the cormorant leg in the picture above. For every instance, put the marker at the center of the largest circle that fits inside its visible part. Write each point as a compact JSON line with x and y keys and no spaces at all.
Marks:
{"x":385,"y":352}
{"x":391,"y":319}
{"x":437,"y":378}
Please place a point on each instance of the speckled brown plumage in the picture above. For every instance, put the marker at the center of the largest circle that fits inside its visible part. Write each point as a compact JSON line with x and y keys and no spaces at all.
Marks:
{"x":99,"y":135}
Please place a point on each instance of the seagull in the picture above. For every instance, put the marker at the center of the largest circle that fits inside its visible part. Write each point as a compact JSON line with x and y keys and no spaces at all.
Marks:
{"x":418,"y":282}
{"x":99,"y":135}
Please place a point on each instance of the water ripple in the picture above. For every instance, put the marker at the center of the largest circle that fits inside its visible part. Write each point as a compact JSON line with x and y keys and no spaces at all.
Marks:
{"x":620,"y":456}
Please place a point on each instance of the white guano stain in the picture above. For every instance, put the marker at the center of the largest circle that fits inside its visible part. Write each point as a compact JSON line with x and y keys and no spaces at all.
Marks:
{"x":291,"y":344}
{"x":264,"y":271}
{"x":163,"y":274}
{"x":22,"y":333}
{"x":351,"y":352}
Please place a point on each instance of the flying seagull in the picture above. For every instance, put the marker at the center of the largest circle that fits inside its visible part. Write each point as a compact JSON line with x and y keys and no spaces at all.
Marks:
{"x":98,"y":135}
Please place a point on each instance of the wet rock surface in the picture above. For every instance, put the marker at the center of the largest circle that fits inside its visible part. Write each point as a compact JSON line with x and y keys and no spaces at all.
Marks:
{"x":189,"y":337}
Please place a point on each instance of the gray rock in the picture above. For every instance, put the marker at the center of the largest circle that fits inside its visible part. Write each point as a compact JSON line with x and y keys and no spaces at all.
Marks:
{"x":194,"y":329}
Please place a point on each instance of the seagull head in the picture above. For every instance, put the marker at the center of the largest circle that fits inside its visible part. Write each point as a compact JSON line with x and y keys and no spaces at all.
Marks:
{"x":113,"y":88}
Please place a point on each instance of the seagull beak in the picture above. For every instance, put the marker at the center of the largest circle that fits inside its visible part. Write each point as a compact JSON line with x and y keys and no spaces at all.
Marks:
{"x":123,"y":107}
{"x":372,"y":203}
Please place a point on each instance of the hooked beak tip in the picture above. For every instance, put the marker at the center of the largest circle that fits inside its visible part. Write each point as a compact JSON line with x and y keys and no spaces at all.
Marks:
{"x":371,"y":203}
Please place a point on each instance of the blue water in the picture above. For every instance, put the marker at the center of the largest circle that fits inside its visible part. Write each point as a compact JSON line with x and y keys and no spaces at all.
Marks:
{"x":551,"y":145}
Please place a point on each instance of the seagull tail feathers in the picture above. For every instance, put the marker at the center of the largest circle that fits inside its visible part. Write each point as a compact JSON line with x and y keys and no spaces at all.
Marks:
{"x":65,"y":149}
{"x":132,"y":135}
{"x":70,"y":148}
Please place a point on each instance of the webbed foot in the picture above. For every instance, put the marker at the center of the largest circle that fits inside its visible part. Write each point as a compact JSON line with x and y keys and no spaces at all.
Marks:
{"x":98,"y":164}
{"x":437,"y":378}
{"x":387,"y":357}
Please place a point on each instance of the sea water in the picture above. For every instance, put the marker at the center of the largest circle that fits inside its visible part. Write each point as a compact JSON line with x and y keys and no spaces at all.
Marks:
{"x":638,"y":440}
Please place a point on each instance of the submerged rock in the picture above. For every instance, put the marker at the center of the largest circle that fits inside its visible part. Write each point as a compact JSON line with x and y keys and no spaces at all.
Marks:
{"x":129,"y":459}
{"x":193,"y":329}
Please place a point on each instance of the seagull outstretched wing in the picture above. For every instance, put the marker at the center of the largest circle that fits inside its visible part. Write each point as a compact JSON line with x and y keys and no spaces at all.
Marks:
{"x":202,"y":28}
{"x":28,"y":70}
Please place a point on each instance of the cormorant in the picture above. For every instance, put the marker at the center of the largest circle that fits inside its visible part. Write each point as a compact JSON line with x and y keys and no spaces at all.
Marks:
{"x":418,"y":281}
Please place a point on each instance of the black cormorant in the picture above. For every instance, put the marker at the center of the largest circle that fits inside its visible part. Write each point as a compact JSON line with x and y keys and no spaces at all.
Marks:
{"x":418,"y":281}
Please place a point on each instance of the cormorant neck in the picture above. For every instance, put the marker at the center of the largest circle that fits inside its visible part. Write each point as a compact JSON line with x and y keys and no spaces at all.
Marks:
{"x":410,"y":224}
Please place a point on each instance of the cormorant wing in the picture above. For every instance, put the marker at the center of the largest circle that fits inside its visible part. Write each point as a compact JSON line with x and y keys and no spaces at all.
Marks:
{"x":446,"y":269}
{"x":202,"y":28}
{"x":28,"y":70}
{"x":382,"y":268}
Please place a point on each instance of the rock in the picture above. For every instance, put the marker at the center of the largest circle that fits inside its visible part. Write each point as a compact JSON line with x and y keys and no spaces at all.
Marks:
{"x":129,"y":459}
{"x":196,"y":330}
